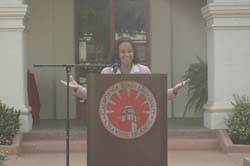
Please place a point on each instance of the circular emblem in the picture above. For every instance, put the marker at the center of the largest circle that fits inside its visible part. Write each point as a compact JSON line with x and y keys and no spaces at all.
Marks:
{"x":128,"y":109}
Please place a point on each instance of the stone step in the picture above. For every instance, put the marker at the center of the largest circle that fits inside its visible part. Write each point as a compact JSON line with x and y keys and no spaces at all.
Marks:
{"x":56,"y":135}
{"x":193,"y":144}
{"x":60,"y":135}
{"x":55,"y":141}
{"x":192,"y":134}
{"x":193,"y":140}
{"x":53,"y":146}
{"x":81,"y":145}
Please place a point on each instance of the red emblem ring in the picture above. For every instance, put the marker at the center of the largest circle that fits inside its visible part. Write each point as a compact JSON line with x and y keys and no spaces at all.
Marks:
{"x":128,"y":109}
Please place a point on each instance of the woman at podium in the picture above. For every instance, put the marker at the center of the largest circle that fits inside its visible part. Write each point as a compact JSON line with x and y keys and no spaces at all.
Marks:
{"x":126,"y":60}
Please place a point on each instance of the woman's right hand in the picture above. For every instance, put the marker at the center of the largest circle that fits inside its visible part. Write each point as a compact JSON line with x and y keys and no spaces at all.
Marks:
{"x":72,"y":83}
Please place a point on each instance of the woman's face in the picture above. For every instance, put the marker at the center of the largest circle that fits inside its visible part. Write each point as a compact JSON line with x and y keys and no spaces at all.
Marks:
{"x":126,"y":53}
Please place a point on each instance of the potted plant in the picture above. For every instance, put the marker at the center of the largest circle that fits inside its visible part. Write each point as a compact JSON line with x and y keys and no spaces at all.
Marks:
{"x":238,"y":122}
{"x":9,"y":124}
{"x":3,"y":157}
{"x":197,"y":87}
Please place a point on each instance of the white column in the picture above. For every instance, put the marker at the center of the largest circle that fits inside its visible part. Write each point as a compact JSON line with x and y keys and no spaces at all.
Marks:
{"x":228,"y":52}
{"x":13,"y":68}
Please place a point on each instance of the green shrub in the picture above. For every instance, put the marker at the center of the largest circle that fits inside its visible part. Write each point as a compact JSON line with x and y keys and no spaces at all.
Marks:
{"x":3,"y":157}
{"x":238,"y":122}
{"x":9,"y":124}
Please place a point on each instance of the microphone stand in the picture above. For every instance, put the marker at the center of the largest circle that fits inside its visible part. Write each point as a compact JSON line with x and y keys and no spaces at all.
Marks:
{"x":68,"y":67}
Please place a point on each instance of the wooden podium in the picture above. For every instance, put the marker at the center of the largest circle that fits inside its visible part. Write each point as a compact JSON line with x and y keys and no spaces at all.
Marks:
{"x":127,"y":120}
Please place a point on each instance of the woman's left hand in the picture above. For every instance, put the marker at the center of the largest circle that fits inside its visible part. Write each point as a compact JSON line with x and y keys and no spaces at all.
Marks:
{"x":180,"y":85}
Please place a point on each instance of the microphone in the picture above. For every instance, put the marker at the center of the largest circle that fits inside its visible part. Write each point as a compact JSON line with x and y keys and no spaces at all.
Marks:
{"x":115,"y":66}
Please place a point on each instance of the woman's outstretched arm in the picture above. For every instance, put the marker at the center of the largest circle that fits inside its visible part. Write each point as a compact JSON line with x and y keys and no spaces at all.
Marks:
{"x":172,"y":92}
{"x":77,"y":89}
{"x":81,"y":91}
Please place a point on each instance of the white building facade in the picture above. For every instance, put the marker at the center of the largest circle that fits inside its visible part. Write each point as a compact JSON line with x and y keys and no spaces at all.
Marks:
{"x":36,"y":32}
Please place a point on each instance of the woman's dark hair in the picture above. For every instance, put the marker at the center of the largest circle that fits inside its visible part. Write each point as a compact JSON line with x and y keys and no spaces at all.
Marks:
{"x":116,"y":57}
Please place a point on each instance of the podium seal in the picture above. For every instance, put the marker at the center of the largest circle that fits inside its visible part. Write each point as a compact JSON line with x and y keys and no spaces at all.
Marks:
{"x":128,"y":109}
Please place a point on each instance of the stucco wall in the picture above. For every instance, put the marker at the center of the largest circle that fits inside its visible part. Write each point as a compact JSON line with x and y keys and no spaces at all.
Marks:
{"x":51,"y":41}
{"x":178,"y":36}
{"x":160,"y":32}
